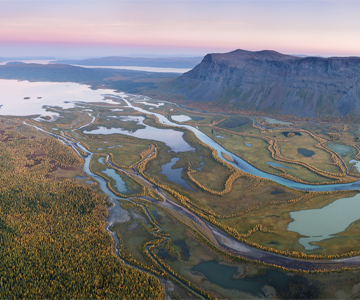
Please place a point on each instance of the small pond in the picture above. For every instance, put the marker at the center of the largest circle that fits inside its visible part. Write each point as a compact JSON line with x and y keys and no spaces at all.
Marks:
{"x":305,"y":152}
{"x":224,"y":276}
{"x":234,"y":122}
{"x":185,"y":249}
{"x":275,"y":121}
{"x":247,"y":144}
{"x":119,"y":182}
{"x":286,"y":133}
{"x":174,"y":175}
{"x":181,"y":118}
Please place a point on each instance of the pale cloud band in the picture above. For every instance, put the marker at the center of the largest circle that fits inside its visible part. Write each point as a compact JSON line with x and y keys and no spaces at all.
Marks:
{"x":315,"y":27}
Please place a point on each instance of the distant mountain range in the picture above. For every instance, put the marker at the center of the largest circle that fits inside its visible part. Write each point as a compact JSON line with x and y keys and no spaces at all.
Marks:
{"x":273,"y":82}
{"x":262,"y":82}
{"x":26,"y":58}
{"x":170,"y":62}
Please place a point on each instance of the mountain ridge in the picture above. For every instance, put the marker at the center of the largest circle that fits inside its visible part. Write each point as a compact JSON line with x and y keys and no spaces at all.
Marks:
{"x":273,"y":82}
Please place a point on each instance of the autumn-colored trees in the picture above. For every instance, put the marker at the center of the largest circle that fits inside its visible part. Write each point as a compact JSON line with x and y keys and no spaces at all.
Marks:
{"x":52,"y":237}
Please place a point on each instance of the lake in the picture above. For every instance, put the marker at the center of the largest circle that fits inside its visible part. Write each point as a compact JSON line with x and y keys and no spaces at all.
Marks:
{"x":323,"y":223}
{"x":174,"y":175}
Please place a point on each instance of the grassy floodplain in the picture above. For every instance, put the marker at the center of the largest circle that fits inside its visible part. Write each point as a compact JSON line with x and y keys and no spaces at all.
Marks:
{"x":253,"y":210}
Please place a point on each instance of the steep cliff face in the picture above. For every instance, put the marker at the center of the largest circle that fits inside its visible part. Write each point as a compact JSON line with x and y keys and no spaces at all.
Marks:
{"x":273,"y":82}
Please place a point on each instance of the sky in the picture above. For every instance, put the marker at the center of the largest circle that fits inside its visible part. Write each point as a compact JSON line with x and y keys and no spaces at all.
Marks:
{"x":93,"y":28}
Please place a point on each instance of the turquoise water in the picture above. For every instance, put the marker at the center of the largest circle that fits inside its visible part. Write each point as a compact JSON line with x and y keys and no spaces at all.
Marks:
{"x":342,"y":150}
{"x":323,"y":223}
{"x":174,"y":175}
{"x":119,"y":182}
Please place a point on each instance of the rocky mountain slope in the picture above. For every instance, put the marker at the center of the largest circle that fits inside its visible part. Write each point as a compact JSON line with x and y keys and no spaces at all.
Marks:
{"x":276,"y":83}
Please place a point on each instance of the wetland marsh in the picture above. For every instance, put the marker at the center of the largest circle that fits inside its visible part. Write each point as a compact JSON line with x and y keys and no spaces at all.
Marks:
{"x":173,"y":175}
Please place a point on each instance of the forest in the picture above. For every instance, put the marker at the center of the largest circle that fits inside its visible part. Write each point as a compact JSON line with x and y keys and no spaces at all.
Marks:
{"x":52,"y":236}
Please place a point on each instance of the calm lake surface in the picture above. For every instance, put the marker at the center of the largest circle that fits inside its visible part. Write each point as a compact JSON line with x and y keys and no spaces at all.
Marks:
{"x":172,"y":138}
{"x":119,"y":182}
{"x":325,"y":222}
{"x":342,"y":150}
{"x":174,"y":175}
{"x":42,"y":94}
{"x":305,"y":152}
{"x":181,"y":118}
{"x":223,"y":276}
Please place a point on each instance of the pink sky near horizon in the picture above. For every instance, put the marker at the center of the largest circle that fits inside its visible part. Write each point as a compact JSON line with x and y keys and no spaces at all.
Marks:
{"x":88,"y":28}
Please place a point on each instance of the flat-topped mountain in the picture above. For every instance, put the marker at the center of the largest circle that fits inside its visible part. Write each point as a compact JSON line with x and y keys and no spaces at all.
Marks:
{"x":274,"y":82}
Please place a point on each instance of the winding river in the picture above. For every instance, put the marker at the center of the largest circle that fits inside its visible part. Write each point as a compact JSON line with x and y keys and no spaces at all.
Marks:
{"x":243,"y":165}
{"x":219,"y":238}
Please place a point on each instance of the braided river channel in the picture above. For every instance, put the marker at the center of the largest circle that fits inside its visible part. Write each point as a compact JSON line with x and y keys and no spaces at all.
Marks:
{"x":62,"y":95}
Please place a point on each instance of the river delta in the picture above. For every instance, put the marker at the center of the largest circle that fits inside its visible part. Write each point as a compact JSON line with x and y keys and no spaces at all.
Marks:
{"x":225,"y":206}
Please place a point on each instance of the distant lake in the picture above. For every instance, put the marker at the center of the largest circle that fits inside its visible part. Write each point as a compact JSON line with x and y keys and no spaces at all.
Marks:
{"x":135,"y":68}
{"x":181,"y":118}
{"x":42,"y":94}
{"x":275,"y":121}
